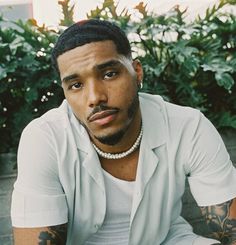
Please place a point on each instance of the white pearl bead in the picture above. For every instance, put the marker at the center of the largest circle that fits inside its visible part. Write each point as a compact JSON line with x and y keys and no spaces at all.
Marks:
{"x":122,"y":154}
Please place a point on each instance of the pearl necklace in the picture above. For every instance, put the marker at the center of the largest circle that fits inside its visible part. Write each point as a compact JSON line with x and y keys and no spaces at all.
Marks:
{"x":122,"y":154}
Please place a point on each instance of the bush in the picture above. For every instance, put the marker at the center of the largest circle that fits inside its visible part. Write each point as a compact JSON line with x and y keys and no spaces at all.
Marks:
{"x":190,"y":64}
{"x":28,"y":84}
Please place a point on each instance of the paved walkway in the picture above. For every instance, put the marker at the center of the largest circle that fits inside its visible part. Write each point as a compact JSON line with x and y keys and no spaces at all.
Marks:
{"x":6,"y":185}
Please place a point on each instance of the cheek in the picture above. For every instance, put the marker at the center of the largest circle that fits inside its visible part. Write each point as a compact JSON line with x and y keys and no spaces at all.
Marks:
{"x":128,"y":87}
{"x":129,"y":91}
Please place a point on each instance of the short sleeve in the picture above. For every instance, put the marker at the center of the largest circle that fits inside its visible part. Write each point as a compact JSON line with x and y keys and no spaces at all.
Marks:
{"x":38,"y":199}
{"x":212,"y":176}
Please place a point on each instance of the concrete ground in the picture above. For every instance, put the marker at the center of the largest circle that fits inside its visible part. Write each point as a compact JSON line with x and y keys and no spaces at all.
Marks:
{"x":6,"y":185}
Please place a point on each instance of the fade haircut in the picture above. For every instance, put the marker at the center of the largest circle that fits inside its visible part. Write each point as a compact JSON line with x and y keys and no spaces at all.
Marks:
{"x":87,"y":31}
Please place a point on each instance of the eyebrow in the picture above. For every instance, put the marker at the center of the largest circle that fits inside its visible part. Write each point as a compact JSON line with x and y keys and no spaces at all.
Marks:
{"x":101,"y":66}
{"x":69,"y":77}
{"x":109,"y":63}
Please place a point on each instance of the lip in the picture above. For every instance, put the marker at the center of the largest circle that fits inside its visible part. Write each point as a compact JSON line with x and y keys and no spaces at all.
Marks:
{"x":103,"y":116}
{"x":105,"y":120}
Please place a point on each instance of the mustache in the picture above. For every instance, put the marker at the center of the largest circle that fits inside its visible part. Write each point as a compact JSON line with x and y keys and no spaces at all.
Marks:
{"x":100,"y":108}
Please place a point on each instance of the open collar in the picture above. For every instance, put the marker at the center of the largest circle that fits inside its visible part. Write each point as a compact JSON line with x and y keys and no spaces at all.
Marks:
{"x":154,"y":136}
{"x":153,"y":120}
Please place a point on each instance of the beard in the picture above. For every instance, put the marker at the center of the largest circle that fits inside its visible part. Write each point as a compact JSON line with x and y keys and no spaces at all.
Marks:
{"x":112,"y":139}
{"x":116,"y":137}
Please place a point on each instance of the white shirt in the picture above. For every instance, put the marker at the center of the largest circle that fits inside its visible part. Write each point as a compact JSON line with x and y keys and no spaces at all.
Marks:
{"x":116,"y":225}
{"x":60,"y":178}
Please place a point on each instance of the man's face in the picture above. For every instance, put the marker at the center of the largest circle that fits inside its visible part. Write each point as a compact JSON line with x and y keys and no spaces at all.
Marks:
{"x":101,"y":87}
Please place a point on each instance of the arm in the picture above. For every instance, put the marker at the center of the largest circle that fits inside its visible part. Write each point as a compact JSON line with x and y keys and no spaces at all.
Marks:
{"x":38,"y":199}
{"x":53,"y":235}
{"x":221,"y":220}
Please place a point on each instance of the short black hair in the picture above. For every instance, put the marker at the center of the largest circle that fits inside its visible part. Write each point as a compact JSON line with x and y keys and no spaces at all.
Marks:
{"x":87,"y":31}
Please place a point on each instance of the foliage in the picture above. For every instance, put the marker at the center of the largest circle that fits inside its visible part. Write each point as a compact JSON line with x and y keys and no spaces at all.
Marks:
{"x":27,"y":83}
{"x":188,"y":63}
{"x":68,"y":13}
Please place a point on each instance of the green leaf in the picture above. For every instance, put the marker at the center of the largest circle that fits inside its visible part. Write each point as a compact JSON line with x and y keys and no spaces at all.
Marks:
{"x":158,"y":69}
{"x":191,"y":66}
{"x":227,"y":120}
{"x":217,"y":65}
{"x":31,"y":95}
{"x":15,"y":45}
{"x":224,"y":80}
{"x":11,"y":67}
{"x":29,"y":61}
{"x":3,"y":72}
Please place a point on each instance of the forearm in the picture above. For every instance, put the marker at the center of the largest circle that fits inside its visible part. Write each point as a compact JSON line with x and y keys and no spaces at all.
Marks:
{"x":53,"y":235}
{"x":221,"y":220}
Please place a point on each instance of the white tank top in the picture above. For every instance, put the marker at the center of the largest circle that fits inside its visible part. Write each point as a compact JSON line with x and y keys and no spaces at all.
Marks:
{"x":116,"y":225}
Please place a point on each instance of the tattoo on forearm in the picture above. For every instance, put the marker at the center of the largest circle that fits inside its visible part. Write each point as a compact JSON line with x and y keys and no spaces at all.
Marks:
{"x":222,"y":222}
{"x":56,"y":235}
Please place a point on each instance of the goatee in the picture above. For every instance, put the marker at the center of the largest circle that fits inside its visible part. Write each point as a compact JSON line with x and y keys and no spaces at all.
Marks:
{"x":115,"y":138}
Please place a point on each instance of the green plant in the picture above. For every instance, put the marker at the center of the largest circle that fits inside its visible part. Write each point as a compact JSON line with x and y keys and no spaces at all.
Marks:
{"x":28,"y":86}
{"x":188,"y":63}
{"x":68,"y":13}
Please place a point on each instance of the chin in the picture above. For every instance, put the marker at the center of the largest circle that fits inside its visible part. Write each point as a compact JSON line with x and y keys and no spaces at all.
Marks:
{"x":111,"y":138}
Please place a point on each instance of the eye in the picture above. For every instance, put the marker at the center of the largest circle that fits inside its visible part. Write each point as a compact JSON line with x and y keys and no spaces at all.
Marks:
{"x":76,"y":86}
{"x":110,"y":74}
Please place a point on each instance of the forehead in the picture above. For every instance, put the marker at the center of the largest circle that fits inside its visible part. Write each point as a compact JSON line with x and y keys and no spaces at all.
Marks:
{"x":86,"y":56}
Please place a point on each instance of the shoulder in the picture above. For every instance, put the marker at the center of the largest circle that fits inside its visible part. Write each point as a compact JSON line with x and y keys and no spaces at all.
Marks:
{"x":58,"y":130}
{"x":49,"y":139}
{"x":55,"y":118}
{"x":50,"y":131}
{"x":173,"y":114}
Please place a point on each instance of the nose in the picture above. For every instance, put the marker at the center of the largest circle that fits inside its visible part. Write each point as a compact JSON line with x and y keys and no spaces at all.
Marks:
{"x":96,"y":93}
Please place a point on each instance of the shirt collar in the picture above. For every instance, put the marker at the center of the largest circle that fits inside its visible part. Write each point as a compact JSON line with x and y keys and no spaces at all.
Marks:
{"x":154,"y":130}
{"x":80,"y":134}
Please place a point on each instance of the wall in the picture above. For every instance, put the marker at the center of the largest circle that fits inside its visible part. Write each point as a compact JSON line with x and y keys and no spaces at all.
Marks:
{"x":14,"y":11}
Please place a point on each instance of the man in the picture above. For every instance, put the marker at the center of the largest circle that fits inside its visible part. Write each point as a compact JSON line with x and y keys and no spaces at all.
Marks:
{"x":109,"y":165}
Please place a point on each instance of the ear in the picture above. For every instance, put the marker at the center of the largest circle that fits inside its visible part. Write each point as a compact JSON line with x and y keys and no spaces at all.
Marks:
{"x":138,"y":70}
